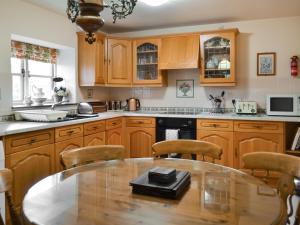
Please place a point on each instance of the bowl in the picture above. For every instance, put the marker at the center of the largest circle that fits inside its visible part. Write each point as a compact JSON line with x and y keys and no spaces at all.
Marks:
{"x":39,"y":101}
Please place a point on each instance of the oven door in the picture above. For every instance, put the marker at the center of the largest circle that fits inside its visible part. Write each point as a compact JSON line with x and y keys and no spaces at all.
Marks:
{"x":183,"y":134}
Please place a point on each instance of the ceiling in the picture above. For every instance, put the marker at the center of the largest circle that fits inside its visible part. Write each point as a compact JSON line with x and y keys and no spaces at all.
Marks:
{"x":188,"y":12}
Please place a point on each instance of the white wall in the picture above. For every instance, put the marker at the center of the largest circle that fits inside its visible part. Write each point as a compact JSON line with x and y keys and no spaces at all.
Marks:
{"x":273,"y":35}
{"x":24,"y":19}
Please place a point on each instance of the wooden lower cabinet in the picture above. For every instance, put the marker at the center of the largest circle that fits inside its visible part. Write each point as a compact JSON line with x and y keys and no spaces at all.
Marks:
{"x":223,"y":139}
{"x":64,"y":146}
{"x":139,"y":141}
{"x":114,"y":136}
{"x":245,"y":142}
{"x":29,"y":167}
{"x":94,"y":139}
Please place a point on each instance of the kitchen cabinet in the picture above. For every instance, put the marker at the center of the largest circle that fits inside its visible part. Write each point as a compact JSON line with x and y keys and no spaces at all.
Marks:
{"x":114,"y":136}
{"x":114,"y":131}
{"x":146,"y":63}
{"x":180,"y":52}
{"x":94,"y":139}
{"x":219,"y":132}
{"x":92,"y":67}
{"x":218,"y":58}
{"x":253,"y":136}
{"x":68,"y":132}
{"x":140,"y":136}
{"x":30,"y":156}
{"x":28,"y":167}
{"x":65,"y":146}
{"x":119,"y":59}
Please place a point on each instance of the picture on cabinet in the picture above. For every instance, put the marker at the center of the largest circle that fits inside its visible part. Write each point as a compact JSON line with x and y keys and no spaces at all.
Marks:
{"x":184,"y":88}
{"x":266,"y":64}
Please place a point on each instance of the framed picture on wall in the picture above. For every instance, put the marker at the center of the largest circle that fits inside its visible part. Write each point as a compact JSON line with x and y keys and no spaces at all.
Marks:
{"x":266,"y":64}
{"x":185,"y":88}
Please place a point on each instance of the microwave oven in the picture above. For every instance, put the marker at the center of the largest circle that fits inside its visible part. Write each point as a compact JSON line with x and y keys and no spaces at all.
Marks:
{"x":283,"y":105}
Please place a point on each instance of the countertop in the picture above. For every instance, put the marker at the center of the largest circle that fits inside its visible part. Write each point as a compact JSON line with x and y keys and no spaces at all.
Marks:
{"x":14,"y":127}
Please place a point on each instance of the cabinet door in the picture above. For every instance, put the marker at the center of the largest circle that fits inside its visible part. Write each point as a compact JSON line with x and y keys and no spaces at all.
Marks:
{"x":255,"y":142}
{"x":114,"y":136}
{"x":29,"y":167}
{"x":180,"y":52}
{"x":119,"y":54}
{"x":94,"y":139}
{"x":224,"y":140}
{"x":64,"y":146}
{"x":218,"y":59}
{"x":139,"y":141}
{"x":92,"y":68}
{"x":146,"y":58}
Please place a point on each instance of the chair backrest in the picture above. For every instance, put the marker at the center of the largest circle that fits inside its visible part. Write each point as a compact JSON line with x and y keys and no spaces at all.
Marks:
{"x":6,"y":180}
{"x":200,"y":148}
{"x":287,"y":165}
{"x":85,"y":155}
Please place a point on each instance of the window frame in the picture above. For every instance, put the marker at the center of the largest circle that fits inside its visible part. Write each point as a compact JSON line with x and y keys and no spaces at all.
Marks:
{"x":25,"y":76}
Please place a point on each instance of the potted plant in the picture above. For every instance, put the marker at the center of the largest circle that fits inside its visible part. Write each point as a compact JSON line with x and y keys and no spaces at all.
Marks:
{"x":60,"y":93}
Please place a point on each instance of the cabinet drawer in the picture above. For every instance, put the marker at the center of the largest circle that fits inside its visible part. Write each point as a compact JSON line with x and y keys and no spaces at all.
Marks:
{"x":113,"y":123}
{"x":93,"y":127}
{"x":257,"y":126}
{"x":68,"y":132}
{"x":221,"y":125}
{"x":140,"y":122}
{"x":21,"y":142}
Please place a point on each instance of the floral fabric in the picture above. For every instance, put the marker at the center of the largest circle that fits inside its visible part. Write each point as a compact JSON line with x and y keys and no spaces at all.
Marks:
{"x":23,"y":50}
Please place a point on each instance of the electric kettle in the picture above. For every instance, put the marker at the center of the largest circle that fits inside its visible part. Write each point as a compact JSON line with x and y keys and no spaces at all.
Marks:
{"x":133,"y":104}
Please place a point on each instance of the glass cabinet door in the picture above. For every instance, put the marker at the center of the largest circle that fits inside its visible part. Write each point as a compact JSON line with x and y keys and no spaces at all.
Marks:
{"x":146,"y":56}
{"x":218,"y":59}
{"x":147,"y":65}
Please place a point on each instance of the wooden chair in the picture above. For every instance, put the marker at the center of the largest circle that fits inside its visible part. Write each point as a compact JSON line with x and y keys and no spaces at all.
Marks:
{"x":289,"y":168}
{"x":6,"y":179}
{"x":200,"y":148}
{"x":81,"y":156}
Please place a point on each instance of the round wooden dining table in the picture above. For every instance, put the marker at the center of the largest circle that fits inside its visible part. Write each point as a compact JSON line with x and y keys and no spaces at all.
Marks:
{"x":100,"y":193}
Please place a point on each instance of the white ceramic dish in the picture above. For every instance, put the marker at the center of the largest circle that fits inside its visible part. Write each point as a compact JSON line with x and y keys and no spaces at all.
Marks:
{"x":41,"y":115}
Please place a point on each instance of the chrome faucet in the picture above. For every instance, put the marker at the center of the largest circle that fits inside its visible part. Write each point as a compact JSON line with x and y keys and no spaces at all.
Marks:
{"x":55,"y":104}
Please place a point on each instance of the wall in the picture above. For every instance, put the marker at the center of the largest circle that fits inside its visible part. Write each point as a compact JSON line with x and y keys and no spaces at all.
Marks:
{"x":23,"y":19}
{"x":272,"y":35}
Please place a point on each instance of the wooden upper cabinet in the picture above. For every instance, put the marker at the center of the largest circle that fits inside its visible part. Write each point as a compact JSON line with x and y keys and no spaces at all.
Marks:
{"x":92,"y":68}
{"x":180,"y":52}
{"x":218,"y":58}
{"x":119,"y":57}
{"x":146,"y":59}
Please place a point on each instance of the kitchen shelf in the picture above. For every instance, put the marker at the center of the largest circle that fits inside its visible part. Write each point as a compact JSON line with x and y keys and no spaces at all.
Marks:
{"x":216,"y":69}
{"x":147,"y":64}
{"x":150,"y":51}
{"x":217,"y":47}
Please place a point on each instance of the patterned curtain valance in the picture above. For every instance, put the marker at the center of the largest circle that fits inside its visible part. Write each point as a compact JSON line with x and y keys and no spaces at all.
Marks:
{"x":23,"y":50}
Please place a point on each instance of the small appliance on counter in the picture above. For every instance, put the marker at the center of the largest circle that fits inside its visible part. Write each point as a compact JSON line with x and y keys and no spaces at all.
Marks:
{"x":114,"y":105}
{"x":245,"y":107}
{"x":283,"y":105}
{"x":133,"y":104}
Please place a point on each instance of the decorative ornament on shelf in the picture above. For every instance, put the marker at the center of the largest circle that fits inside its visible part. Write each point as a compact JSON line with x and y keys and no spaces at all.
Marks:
{"x":86,"y":14}
{"x":294,"y":66}
{"x":60,"y":93}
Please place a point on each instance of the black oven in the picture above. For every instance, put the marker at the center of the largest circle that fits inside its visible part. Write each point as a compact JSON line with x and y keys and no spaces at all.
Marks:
{"x":186,"y":127}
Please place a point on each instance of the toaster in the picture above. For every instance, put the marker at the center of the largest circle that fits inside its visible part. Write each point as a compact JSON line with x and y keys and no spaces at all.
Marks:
{"x":246,"y":107}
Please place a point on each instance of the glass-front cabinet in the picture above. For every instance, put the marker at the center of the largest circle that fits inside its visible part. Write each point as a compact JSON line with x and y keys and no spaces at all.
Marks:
{"x":146,"y":54}
{"x":218,"y":58}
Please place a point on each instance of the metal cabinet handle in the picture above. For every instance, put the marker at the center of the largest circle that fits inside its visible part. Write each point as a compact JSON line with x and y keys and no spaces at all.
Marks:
{"x":32,"y":141}
{"x":95,"y":128}
{"x":70,"y":132}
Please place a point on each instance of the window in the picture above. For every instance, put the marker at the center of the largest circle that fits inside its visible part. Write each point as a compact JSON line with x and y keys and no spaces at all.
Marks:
{"x":32,"y":66}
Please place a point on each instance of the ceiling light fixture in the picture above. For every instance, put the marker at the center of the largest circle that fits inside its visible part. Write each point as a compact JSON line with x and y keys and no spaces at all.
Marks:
{"x":86,"y":14}
{"x":154,"y":2}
